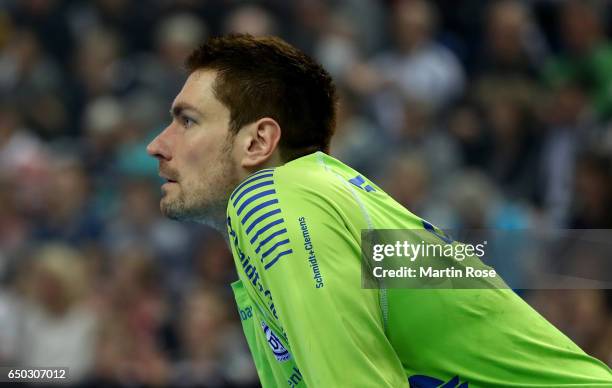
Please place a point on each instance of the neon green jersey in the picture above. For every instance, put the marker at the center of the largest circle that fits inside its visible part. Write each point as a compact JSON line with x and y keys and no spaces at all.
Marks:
{"x":295,"y":235}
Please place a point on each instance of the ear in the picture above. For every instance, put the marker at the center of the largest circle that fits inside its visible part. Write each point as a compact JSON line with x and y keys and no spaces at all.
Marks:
{"x":260,"y":143}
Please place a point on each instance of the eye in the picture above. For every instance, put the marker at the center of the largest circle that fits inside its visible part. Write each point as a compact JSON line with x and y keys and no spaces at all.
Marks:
{"x":187,"y":122}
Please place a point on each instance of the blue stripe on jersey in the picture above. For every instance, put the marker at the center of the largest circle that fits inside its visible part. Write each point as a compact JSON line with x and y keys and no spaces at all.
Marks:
{"x":251,"y":178}
{"x":278,"y":244}
{"x":262,"y":230}
{"x":270,"y":237}
{"x":251,"y":188}
{"x":274,"y":260}
{"x":261,"y":218}
{"x":253,"y":198}
{"x":258,"y":208}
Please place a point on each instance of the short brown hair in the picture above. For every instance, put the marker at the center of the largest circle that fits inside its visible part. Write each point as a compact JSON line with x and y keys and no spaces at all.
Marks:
{"x":267,"y":77}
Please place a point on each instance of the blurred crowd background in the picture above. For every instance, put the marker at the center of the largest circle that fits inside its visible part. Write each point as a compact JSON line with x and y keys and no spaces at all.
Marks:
{"x":472,"y":113}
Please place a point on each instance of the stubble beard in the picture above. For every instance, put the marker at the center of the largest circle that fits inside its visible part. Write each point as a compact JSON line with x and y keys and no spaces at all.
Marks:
{"x":206,"y":201}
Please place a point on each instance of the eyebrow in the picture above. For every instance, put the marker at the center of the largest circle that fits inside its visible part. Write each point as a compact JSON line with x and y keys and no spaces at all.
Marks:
{"x":177,"y":109}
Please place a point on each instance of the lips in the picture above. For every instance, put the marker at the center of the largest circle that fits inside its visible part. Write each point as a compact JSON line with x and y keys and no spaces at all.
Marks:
{"x":168,"y":182}
{"x":167,"y":177}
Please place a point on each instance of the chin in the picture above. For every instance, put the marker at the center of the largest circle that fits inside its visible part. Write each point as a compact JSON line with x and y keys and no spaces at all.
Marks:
{"x":176,"y":210}
{"x":170,"y":209}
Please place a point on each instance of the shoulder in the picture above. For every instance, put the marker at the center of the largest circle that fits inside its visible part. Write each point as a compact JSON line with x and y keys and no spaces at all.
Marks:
{"x":297,"y":179}
{"x":305,"y":184}
{"x":316,"y":174}
{"x":315,"y":181}
{"x":264,"y":199}
{"x":310,"y":167}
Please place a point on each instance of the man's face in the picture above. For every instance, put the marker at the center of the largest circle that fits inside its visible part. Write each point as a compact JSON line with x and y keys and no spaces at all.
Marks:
{"x":194,"y":153}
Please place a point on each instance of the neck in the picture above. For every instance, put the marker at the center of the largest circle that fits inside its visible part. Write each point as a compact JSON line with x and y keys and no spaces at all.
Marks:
{"x":217,"y":222}
{"x":274,"y":161}
{"x":217,"y":216}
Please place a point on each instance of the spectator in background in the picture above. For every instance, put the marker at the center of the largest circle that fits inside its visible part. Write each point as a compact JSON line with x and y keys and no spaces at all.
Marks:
{"x":58,"y":325}
{"x":68,"y":215}
{"x":567,"y":129}
{"x":97,"y":55}
{"x":212,"y":262}
{"x":513,"y":52}
{"x":213,"y":353}
{"x":409,"y":182}
{"x":313,"y":16}
{"x":416,"y":68}
{"x":466,"y":125}
{"x":477,"y":203}
{"x":134,"y":313}
{"x":424,"y":70}
{"x":31,"y":78}
{"x":514,"y":47}
{"x":103,"y":120}
{"x":358,"y":140}
{"x":515,"y":142}
{"x":593,"y":200}
{"x":96,"y":71}
{"x":119,"y":15}
{"x":250,"y":19}
{"x":47,"y":19}
{"x":419,"y":134}
{"x":136,"y":224}
{"x":587,"y":56}
{"x":175,"y":36}
{"x":144,"y":112}
{"x":24,"y":158}
{"x":353,"y":30}
{"x":338,"y":46}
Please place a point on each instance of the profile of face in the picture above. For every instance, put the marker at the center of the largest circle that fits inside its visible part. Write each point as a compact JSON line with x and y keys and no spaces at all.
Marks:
{"x":195,"y":153}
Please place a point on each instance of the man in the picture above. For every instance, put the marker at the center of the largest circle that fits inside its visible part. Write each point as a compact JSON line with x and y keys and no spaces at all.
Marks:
{"x":246,"y":151}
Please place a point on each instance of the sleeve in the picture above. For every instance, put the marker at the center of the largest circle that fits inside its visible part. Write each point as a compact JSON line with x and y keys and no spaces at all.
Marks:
{"x":310,"y":261}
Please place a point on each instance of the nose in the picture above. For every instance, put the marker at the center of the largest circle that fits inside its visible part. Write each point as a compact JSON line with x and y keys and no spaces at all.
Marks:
{"x":160,"y":148}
